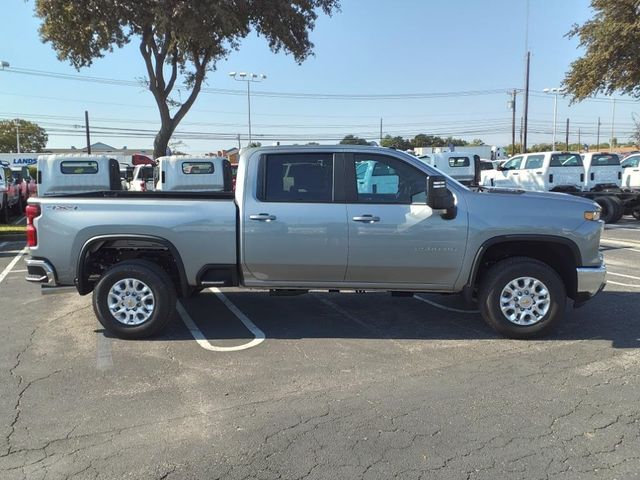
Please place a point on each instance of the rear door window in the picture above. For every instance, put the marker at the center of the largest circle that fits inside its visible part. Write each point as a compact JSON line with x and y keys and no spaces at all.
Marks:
{"x":534,"y":161}
{"x":303,"y":178}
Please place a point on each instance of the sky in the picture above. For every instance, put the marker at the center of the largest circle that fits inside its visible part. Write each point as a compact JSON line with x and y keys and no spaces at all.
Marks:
{"x":368,"y":48}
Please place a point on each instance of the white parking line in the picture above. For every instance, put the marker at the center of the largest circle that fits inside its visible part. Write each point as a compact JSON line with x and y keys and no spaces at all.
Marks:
{"x":623,"y":275}
{"x":104,"y":357}
{"x":12,"y":264}
{"x":444,"y":307}
{"x":202,"y":340}
{"x":622,"y":284}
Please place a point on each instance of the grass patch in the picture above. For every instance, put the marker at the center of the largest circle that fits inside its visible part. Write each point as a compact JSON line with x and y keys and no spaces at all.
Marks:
{"x":12,"y":230}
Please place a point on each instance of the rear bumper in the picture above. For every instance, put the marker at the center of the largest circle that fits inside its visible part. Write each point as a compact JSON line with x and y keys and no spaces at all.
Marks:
{"x":591,"y":280}
{"x":40,"y":271}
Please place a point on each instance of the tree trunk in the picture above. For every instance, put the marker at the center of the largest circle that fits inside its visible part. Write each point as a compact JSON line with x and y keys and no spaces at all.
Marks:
{"x":161,"y":141}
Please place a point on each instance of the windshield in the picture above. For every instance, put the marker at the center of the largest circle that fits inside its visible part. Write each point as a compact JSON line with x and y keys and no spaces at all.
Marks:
{"x":565,"y":160}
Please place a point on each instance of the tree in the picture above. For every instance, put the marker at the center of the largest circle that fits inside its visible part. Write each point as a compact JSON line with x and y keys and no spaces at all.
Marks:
{"x":398,"y":142}
{"x":185,"y":36}
{"x":612,"y":58}
{"x":33,"y":138}
{"x":353,"y":140}
{"x":254,"y":145}
{"x":476,"y":142}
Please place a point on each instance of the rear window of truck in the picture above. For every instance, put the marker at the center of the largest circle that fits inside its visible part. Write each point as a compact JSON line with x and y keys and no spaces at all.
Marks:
{"x":565,"y":160}
{"x":197,"y":168}
{"x":76,"y":167}
{"x":459,"y":161}
{"x":603,"y":159}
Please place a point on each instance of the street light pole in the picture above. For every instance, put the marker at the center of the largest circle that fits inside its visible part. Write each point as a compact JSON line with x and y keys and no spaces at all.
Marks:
{"x":248,"y":77}
{"x":555,"y":91}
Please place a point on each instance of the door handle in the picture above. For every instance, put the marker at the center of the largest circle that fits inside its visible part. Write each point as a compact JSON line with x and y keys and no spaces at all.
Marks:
{"x":262,"y":217}
{"x":514,"y":174}
{"x":539,"y":173}
{"x":366,"y":219}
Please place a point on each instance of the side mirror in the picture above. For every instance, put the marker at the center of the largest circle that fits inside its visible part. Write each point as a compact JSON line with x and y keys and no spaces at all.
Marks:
{"x":439,"y":197}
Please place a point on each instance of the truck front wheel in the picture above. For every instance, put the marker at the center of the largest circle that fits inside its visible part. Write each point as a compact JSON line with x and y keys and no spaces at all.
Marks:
{"x":522,"y":298}
{"x":134,"y":299}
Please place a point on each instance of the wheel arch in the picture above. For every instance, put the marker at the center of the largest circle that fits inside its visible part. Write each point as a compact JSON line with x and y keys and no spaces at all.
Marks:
{"x":560,"y":253}
{"x":94,"y":244}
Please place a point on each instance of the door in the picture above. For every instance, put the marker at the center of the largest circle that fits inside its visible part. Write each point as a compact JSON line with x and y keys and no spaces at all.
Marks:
{"x":508,"y":175}
{"x":631,"y":172}
{"x":294,"y":225}
{"x":532,"y":175}
{"x":395,"y":239}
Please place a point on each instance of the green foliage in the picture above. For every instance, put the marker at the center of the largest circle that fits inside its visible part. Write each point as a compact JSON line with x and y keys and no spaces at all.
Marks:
{"x":611,"y":40}
{"x":353,"y":140}
{"x":187,"y":37}
{"x":254,"y":144}
{"x":476,"y":142}
{"x":398,"y":143}
{"x":33,"y":171}
{"x":33,"y":138}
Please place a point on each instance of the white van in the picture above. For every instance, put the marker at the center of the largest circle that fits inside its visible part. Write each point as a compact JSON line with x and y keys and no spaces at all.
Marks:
{"x":631,"y":172}
{"x":182,"y":173}
{"x":464,"y":167}
{"x":602,"y":171}
{"x":77,"y":173}
{"x":542,"y":171}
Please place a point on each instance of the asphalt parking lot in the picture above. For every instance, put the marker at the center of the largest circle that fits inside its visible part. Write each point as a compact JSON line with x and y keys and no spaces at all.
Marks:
{"x":244,"y":385}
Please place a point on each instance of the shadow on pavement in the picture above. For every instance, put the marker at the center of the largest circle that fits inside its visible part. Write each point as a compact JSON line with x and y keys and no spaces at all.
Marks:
{"x":611,"y":316}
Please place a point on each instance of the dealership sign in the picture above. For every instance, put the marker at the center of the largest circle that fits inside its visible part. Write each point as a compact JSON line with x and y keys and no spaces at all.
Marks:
{"x":18,"y":159}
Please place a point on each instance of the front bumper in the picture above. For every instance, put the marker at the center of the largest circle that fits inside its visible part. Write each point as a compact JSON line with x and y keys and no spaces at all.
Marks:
{"x":591,"y":280}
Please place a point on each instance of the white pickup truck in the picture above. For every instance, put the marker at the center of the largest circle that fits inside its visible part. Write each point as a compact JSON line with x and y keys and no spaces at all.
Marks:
{"x":186,"y":173}
{"x":602,"y":171}
{"x":631,"y":172}
{"x":463,"y":167}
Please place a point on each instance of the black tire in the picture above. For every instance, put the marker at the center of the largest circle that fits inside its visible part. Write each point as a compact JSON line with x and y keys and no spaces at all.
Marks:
{"x":498,"y":278}
{"x":611,"y":207}
{"x":156,"y":279}
{"x":4,"y":211}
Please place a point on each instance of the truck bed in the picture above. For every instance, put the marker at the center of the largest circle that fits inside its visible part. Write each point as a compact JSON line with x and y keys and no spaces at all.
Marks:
{"x":198,"y":227}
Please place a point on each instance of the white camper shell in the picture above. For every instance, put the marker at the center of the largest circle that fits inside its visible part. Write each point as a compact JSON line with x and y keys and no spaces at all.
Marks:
{"x":602,"y":171}
{"x":464,"y":167}
{"x":77,"y":173}
{"x":186,"y":173}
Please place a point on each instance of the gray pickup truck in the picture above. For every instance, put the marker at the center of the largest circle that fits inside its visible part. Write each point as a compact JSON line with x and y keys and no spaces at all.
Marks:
{"x":321,"y":217}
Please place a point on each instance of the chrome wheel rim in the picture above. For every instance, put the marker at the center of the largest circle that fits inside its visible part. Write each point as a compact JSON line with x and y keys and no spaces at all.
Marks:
{"x":131,"y":302}
{"x":525,"y":301}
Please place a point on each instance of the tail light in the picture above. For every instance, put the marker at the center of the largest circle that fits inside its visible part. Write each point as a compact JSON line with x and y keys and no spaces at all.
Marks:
{"x":32,"y":211}
{"x":143,"y":186}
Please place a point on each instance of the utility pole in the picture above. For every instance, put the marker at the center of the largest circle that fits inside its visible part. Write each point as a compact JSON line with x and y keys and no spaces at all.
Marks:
{"x":380,"y":132}
{"x":17,"y":122}
{"x":248,"y":77}
{"x":86,"y":129}
{"x":613,"y":118}
{"x":521,"y":132}
{"x":598,"y":136}
{"x":526,"y":102}
{"x":579,"y":144}
{"x":239,"y":146}
{"x":566,"y":140}
{"x":513,"y":121}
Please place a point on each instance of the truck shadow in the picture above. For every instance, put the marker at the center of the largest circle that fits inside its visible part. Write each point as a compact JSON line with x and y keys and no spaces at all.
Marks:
{"x":611,"y":316}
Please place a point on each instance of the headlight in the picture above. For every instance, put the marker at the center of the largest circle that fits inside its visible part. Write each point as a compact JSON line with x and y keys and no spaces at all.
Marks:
{"x":593,"y":215}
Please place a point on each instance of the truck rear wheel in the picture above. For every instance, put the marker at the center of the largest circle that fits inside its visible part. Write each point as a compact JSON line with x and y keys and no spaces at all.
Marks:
{"x":134,"y":299}
{"x":522,"y":298}
{"x":612,"y":209}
